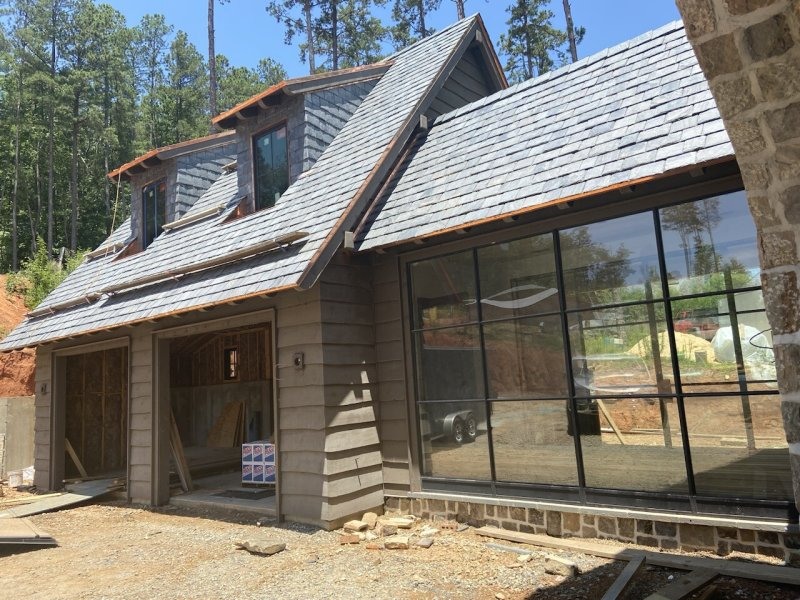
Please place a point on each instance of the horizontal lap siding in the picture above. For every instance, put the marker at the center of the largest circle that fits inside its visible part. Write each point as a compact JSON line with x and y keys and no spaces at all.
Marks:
{"x":393,"y":406}
{"x":140,"y":424}
{"x":353,"y":480}
{"x":42,"y":420}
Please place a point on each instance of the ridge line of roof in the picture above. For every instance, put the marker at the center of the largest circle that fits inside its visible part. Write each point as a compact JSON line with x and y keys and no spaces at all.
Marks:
{"x":402,"y":51}
{"x":558,"y":73}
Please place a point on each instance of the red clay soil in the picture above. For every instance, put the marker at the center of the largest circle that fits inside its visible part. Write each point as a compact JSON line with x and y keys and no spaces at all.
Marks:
{"x":16,"y":368}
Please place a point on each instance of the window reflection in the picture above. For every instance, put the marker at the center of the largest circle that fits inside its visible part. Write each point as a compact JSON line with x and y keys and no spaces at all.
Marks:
{"x":454,"y":440}
{"x":444,"y":291}
{"x":450,"y":364}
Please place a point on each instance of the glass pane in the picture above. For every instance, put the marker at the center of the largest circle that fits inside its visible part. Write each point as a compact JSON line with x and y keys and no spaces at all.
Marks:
{"x":443,"y":291}
{"x":610,"y":262}
{"x":454,"y":440}
{"x":737,"y":456}
{"x":525,"y":358}
{"x":271,"y":167}
{"x":531,"y":443}
{"x":705,"y":239}
{"x":449,"y":364}
{"x":632,"y":444}
{"x":518,"y":278}
{"x":708,"y":352}
{"x":621,"y":351}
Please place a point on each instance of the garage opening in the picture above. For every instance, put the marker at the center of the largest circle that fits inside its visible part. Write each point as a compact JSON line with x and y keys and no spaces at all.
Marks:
{"x":221,"y":399}
{"x":96,"y":414}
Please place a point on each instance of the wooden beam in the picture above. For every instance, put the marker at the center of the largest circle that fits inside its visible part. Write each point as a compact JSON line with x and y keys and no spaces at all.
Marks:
{"x":624,"y":579}
{"x":729,"y":568}
{"x":683,"y":587}
{"x":75,"y":459}
{"x":601,"y":405}
{"x":176,"y":446}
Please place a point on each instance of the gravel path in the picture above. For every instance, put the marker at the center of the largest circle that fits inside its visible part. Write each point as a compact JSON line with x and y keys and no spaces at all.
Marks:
{"x":115,"y":550}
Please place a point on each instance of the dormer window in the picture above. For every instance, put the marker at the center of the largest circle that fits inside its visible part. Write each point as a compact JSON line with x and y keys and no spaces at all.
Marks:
{"x":154,"y":210}
{"x":271,"y":166}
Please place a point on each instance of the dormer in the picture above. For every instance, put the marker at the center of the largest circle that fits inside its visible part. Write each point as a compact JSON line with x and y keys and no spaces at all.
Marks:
{"x":166,"y":182}
{"x":281,"y":132}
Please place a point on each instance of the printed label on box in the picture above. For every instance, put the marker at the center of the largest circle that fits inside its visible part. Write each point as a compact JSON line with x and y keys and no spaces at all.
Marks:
{"x":247,"y":453}
{"x":269,"y":473}
{"x":258,"y":473}
{"x":247,"y":472}
{"x":269,"y":453}
{"x":258,"y":452}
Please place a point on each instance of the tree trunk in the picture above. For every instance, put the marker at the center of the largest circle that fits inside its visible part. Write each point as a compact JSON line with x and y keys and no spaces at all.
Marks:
{"x":335,"y":34}
{"x":421,"y":7}
{"x":528,"y":49}
{"x":309,"y":37}
{"x":73,"y":181}
{"x":212,"y":64}
{"x":50,"y":135}
{"x":573,"y":46}
{"x":15,"y":188}
{"x":460,"y":9}
{"x":106,"y":125}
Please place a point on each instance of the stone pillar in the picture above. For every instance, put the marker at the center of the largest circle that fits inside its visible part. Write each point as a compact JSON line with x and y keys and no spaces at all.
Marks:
{"x":749,"y":51}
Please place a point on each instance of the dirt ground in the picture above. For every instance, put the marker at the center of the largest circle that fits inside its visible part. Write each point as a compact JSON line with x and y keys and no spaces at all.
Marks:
{"x":115,"y":550}
{"x":16,"y":368}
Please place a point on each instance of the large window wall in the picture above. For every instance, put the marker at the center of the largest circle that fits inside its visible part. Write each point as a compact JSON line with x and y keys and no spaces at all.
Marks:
{"x":627,"y":360}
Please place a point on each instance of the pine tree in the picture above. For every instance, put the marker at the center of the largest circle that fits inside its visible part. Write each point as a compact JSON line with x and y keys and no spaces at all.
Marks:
{"x":353,"y":37}
{"x":297,"y":18}
{"x":239,"y":83}
{"x":409,"y":20}
{"x":151,"y":49}
{"x":184,"y":96}
{"x":532,"y":45}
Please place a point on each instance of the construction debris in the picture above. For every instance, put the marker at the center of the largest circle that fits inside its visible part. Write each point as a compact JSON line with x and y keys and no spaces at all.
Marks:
{"x":555,"y":565}
{"x":261,"y":547}
{"x":21,"y":532}
{"x":396,"y":542}
{"x":77,"y":493}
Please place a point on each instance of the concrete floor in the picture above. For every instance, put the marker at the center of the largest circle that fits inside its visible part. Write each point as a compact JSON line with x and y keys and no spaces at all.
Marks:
{"x":207,"y":490}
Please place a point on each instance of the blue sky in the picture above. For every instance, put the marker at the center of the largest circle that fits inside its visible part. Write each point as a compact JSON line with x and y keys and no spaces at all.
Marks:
{"x":245,"y":33}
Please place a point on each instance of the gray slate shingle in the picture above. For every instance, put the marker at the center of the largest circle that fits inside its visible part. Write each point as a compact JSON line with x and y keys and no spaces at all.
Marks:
{"x":313,"y":204}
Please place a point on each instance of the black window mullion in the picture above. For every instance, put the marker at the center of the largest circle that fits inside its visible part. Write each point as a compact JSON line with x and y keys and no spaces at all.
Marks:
{"x":572,"y":402}
{"x":484,"y":368}
{"x":676,"y":370}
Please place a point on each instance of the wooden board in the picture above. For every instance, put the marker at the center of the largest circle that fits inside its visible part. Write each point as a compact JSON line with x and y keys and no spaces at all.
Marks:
{"x":21,"y":532}
{"x":76,"y":461}
{"x":682,"y":587}
{"x":177,"y":454}
{"x":225,"y":431}
{"x":729,"y":568}
{"x":624,"y":579}
{"x":77,"y":493}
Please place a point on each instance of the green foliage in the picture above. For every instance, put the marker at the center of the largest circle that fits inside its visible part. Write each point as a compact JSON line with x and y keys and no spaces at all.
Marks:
{"x":409,"y":20}
{"x":533,"y":45}
{"x":41,"y":274}
{"x":239,"y":83}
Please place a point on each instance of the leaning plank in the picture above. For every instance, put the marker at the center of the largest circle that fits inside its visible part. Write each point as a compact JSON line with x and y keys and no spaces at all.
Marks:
{"x":21,"y":532}
{"x":602,"y":406}
{"x":80,"y":492}
{"x":682,"y":587}
{"x":624,"y":579}
{"x":730,"y":568}
{"x":27,"y":499}
{"x":74,"y":456}
{"x":178,"y":456}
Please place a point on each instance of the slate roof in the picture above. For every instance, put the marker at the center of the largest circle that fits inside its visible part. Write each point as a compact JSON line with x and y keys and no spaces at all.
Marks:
{"x":638,"y":110}
{"x":316,"y":203}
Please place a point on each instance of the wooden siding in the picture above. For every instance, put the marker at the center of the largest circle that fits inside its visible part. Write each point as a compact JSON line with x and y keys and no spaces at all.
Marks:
{"x":468,"y":82}
{"x":140,"y":465}
{"x":390,"y":355}
{"x":42,"y":449}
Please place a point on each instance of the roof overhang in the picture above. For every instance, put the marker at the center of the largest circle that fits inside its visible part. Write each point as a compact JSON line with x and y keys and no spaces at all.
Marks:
{"x":159,"y":155}
{"x":274,"y":95}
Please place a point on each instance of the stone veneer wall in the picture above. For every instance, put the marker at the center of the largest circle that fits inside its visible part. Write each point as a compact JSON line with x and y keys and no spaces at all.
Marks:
{"x":749,"y":51}
{"x":646,"y":532}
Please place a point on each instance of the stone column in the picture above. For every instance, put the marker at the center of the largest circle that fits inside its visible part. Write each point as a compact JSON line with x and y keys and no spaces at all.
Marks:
{"x":749,"y":51}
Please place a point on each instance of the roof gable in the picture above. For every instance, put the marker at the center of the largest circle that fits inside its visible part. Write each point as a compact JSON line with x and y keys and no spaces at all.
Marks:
{"x":324,"y":202}
{"x":640,"y":110}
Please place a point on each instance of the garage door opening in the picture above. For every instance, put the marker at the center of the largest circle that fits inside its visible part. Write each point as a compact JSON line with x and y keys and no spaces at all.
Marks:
{"x":96,"y":414}
{"x":221,"y":399}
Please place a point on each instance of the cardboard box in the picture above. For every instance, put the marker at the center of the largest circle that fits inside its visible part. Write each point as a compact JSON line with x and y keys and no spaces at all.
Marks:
{"x":269,"y":453}
{"x":247,"y":473}
{"x":247,"y":453}
{"x":269,"y":473}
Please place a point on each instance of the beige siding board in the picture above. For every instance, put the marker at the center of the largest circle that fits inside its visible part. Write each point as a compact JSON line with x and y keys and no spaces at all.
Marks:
{"x":334,"y":292}
{"x":41,"y":438}
{"x":299,"y":335}
{"x":390,"y":352}
{"x":348,"y":354}
{"x":342,"y":510}
{"x":292,"y":397}
{"x":142,"y":374}
{"x":353,"y":482}
{"x":338,"y":441}
{"x":140,"y":422}
{"x":302,"y":484}
{"x":348,"y":314}
{"x":342,"y":333}
{"x":139,"y":491}
{"x":301,"y":418}
{"x":387,"y":313}
{"x":388,"y":335}
{"x":301,"y":439}
{"x":142,"y":390}
{"x":345,"y":416}
{"x":356,"y":375}
{"x":141,"y":405}
{"x":302,"y":462}
{"x":42,"y":411}
{"x":394,"y":451}
{"x":42,"y":453}
{"x":141,"y":473}
{"x":358,"y":277}
{"x":140,"y":455}
{"x":142,"y":439}
{"x":305,"y":315}
{"x":393,"y":411}
{"x":340,"y":395}
{"x":392,"y":370}
{"x":384,"y":270}
{"x":42,"y":424}
{"x":142,"y":357}
{"x":396,"y":474}
{"x":302,"y":508}
{"x":345,"y":462}
{"x":395,"y":430}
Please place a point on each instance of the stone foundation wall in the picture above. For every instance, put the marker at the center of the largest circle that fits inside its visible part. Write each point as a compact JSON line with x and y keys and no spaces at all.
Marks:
{"x":646,"y":532}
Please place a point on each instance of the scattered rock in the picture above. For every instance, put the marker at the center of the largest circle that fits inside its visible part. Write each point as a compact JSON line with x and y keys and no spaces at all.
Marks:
{"x":514,"y":565}
{"x":374,"y":546}
{"x":361,"y":536}
{"x":349,"y":538}
{"x":462,"y":527}
{"x":264,"y":521}
{"x":555,"y":565}
{"x":425,"y":542}
{"x":428,"y":532}
{"x":523,"y":558}
{"x":400,"y":522}
{"x":261,"y":547}
{"x":371,"y":519}
{"x":370,"y":536}
{"x":388,"y":530}
{"x":356,"y":526}
{"x":396,"y":542}
{"x":500,"y":596}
